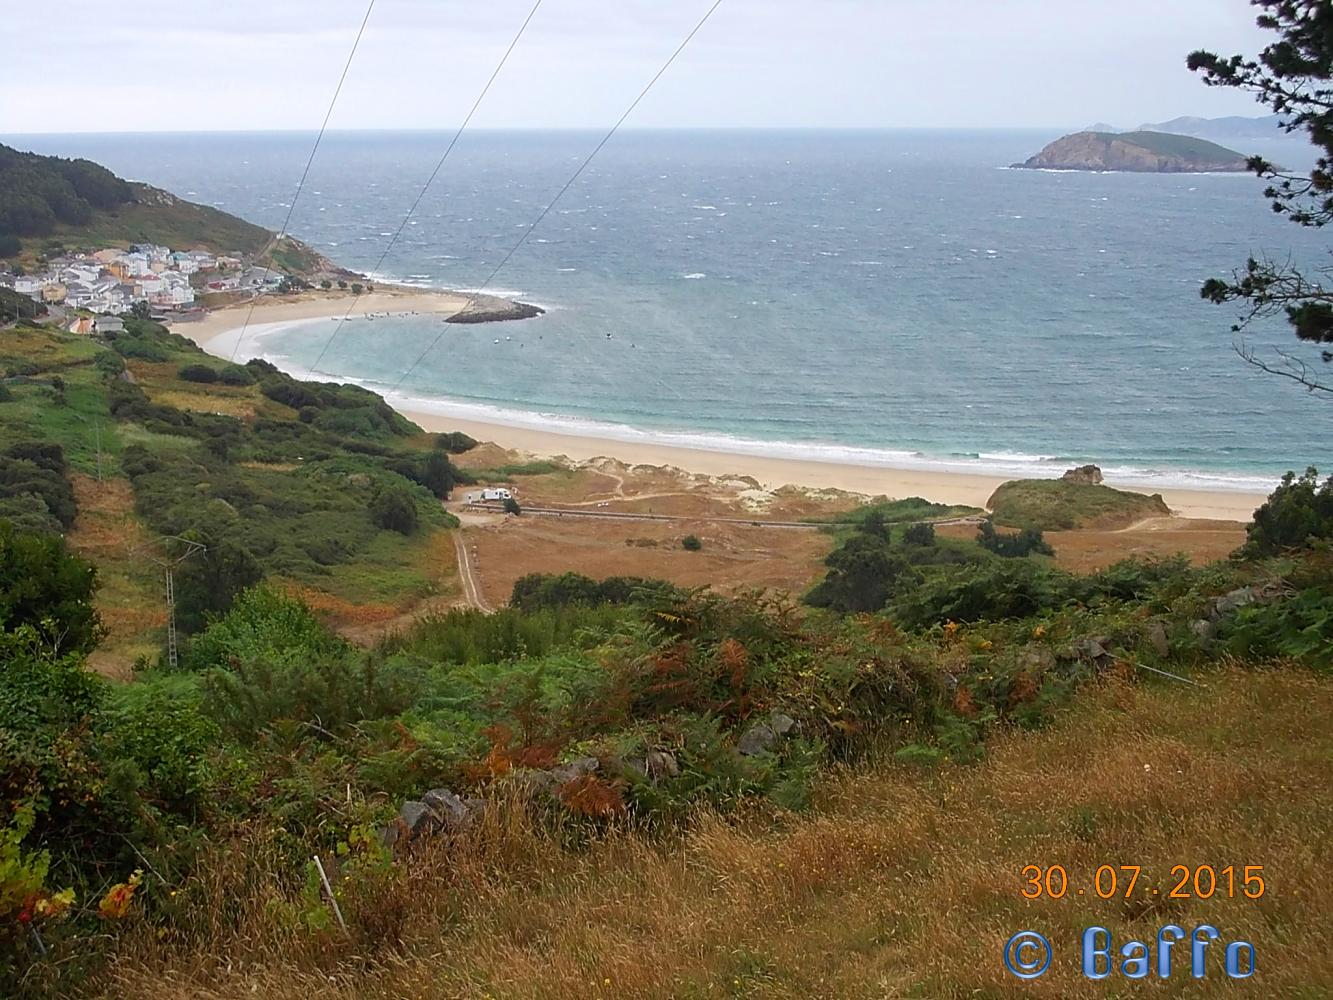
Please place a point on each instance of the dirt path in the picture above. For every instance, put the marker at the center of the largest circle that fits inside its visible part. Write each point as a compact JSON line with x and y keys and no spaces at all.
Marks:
{"x":467,"y":576}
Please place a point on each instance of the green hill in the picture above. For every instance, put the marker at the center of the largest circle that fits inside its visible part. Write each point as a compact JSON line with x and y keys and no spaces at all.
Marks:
{"x":1059,"y":505}
{"x":1144,"y":152}
{"x":48,"y":204}
{"x":1170,"y":144}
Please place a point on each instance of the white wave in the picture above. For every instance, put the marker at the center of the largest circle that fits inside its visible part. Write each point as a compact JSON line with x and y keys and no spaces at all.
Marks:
{"x":996,"y":463}
{"x":696,"y":276}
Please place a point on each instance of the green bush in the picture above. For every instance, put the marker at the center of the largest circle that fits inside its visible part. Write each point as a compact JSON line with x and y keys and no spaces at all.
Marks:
{"x":395,"y":509}
{"x":691,"y":543}
{"x":863,"y":574}
{"x":1026,"y":543}
{"x":1298,"y":626}
{"x":922,"y":534}
{"x":455,"y":442}
{"x":992,"y":591}
{"x":537,"y":591}
{"x":235,"y":375}
{"x":44,"y":586}
{"x":511,"y":506}
{"x":1298,"y":512}
{"x":205,"y":374}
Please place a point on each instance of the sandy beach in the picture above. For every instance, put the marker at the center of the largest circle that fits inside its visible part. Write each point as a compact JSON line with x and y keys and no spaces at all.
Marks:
{"x":220,"y":325}
{"x":217,"y":334}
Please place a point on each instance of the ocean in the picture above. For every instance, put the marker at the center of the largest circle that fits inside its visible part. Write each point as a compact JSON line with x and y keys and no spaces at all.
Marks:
{"x":888,"y":298}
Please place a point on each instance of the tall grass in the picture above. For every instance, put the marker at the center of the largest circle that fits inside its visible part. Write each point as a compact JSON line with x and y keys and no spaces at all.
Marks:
{"x":902,"y":882}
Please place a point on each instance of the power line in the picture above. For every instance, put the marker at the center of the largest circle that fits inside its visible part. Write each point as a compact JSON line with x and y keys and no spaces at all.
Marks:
{"x":431,"y":179}
{"x":305,"y":173}
{"x":472,"y":298}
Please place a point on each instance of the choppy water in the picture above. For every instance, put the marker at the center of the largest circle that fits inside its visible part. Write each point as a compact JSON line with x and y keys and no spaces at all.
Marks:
{"x":883,"y":297}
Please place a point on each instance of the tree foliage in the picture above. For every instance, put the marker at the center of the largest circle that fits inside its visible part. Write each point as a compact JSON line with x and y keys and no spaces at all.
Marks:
{"x":394,"y":509}
{"x":1298,"y":512}
{"x":37,"y":193}
{"x":44,"y":586}
{"x":1292,"y":76}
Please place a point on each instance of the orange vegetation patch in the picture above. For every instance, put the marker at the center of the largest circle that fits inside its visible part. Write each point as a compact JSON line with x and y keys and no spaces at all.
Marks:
{"x":106,"y":523}
{"x":338,"y":611}
{"x":1090,"y":549}
{"x":130,"y":596}
{"x":1203,"y":541}
{"x":733,"y":556}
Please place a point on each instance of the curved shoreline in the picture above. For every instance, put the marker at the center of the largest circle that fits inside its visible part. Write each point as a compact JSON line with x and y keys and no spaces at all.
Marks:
{"x":218,"y":332}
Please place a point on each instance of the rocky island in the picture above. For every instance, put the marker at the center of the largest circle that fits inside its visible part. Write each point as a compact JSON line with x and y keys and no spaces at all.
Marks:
{"x":1142,"y":152}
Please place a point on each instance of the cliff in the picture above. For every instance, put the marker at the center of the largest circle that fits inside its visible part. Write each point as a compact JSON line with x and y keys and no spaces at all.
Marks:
{"x":1142,"y":152}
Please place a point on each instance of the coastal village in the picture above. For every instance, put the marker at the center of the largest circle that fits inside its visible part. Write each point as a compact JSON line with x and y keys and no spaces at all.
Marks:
{"x":111,"y":282}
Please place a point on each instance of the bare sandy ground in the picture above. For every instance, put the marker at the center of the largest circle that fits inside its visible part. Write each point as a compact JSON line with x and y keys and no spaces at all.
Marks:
{"x":941,"y":487}
{"x":217,"y":331}
{"x":217,"y":334}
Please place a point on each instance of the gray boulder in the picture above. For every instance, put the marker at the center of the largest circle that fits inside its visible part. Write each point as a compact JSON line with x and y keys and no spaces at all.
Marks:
{"x":579,"y":768}
{"x":1161,"y":645}
{"x":659,"y":764}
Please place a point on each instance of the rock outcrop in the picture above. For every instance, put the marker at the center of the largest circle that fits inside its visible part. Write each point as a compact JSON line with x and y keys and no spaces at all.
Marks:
{"x":1141,"y":152}
{"x":493,"y":309}
{"x":1088,"y":475}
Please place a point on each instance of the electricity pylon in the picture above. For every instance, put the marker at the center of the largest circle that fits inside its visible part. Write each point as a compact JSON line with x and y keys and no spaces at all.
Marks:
{"x":169,"y":552}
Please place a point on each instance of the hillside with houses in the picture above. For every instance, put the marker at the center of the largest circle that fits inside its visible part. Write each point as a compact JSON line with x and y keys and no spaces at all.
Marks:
{"x":112,"y":281}
{"x":75,"y":236}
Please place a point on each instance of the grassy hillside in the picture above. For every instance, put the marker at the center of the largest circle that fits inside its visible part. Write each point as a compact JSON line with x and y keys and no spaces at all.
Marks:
{"x":1170,"y":144}
{"x":49,"y":204}
{"x":154,"y":216}
{"x":289,"y":486}
{"x":1057,"y":505}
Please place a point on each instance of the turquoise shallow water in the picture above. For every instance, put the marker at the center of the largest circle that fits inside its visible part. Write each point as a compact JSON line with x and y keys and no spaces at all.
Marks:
{"x":884,"y":297}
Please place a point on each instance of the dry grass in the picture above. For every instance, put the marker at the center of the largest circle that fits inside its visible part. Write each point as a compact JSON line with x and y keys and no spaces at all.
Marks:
{"x":900,"y":882}
{"x":733,"y":556}
{"x":130,"y":596}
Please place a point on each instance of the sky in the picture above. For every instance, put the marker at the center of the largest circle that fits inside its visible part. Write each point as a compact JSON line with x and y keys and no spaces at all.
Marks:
{"x":199,"y":65}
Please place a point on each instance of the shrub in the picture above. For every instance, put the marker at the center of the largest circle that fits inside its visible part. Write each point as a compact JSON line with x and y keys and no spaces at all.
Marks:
{"x":538,"y":591}
{"x":991,"y":591}
{"x":455,"y":442}
{"x":1296,"y":513}
{"x":511,"y":506}
{"x":691,"y":543}
{"x":236,"y":375}
{"x":262,"y":623}
{"x":921,"y":534}
{"x":395,"y":509}
{"x":1298,"y":626}
{"x":1027,"y":542}
{"x":37,"y":471}
{"x":198,"y":373}
{"x":44,"y":586}
{"x":864,"y":572}
{"x":207,"y":584}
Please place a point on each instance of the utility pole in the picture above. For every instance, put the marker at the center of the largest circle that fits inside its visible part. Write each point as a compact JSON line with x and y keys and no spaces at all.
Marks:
{"x":168,"y":553}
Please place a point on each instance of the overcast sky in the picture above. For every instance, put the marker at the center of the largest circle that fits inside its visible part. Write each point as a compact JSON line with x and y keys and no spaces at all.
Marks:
{"x":273,"y":64}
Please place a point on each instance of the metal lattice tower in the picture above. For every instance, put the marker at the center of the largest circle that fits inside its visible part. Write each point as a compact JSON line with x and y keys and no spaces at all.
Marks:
{"x":170,"y":552}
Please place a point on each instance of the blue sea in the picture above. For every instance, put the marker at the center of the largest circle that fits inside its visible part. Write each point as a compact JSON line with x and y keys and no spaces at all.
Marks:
{"x":896,"y":297}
